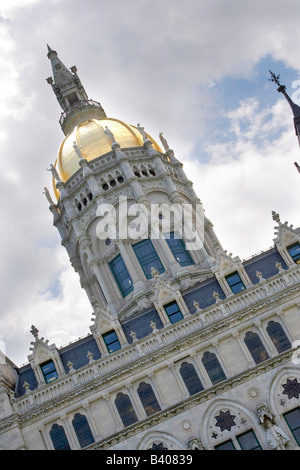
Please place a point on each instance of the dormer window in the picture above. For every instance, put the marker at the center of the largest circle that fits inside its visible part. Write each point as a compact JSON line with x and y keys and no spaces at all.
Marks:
{"x":111,"y":341}
{"x":49,"y":371}
{"x":235,"y":283}
{"x":294,"y":251}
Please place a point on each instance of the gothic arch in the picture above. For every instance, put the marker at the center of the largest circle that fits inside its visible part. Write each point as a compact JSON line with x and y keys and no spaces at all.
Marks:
{"x":280,"y":384}
{"x":157,"y":437}
{"x":236,"y":418}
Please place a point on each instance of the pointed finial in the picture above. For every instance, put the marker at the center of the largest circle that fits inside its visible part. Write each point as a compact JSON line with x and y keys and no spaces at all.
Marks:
{"x":297,"y":166}
{"x":274,"y":78}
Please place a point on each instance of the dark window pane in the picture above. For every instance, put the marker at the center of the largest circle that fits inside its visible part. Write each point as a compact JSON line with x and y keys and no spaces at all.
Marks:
{"x":190,"y":378}
{"x":278,"y":336}
{"x":49,"y":371}
{"x":125,"y":409}
{"x":179,"y":251}
{"x":59,"y":438}
{"x":294,"y":251}
{"x":121,"y":275}
{"x":111,"y":341}
{"x":213,"y":367}
{"x":148,"y":398}
{"x":293,"y":420}
{"x":228,"y":445}
{"x":148,"y":258}
{"x":248,"y":441}
{"x":235,"y":282}
{"x":256,"y":348}
{"x":173,"y":312}
{"x":82,"y":430}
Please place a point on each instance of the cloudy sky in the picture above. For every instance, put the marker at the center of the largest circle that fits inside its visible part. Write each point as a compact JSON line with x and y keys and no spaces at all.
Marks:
{"x":196,"y":70}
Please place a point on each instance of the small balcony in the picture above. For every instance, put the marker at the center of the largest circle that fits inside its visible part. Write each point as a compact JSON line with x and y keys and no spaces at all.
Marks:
{"x":78,"y":112}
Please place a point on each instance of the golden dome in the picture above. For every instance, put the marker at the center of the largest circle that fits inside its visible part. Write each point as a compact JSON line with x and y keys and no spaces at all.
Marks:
{"x":93,"y":143}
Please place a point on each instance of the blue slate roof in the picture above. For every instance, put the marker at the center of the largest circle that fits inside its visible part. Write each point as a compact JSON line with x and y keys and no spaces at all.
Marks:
{"x":77,"y":353}
{"x":25,"y":374}
{"x":141,"y":325}
{"x":203,"y":294}
{"x":74,"y":352}
{"x":265,"y":263}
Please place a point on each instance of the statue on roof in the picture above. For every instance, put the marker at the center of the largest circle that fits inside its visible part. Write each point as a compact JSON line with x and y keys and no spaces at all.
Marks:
{"x":54,"y":172}
{"x":142,"y":131}
{"x":109,"y":134}
{"x":48,"y":195}
{"x":164,"y":142}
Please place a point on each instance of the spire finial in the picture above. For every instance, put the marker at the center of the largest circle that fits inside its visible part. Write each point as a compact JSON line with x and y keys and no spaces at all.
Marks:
{"x":274,"y":78}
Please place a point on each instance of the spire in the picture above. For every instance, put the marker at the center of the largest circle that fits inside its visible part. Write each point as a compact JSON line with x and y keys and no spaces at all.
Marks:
{"x":71,"y":95}
{"x":295,"y":108}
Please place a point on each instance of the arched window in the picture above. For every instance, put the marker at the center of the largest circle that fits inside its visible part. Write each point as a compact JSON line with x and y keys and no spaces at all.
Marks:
{"x":148,"y":398}
{"x":59,"y":438}
{"x":82,"y":430}
{"x":121,"y":275}
{"x":148,"y":258}
{"x":179,"y":250}
{"x":256,"y":348}
{"x":213,"y":367}
{"x":190,"y":378}
{"x":278,"y":336}
{"x":125,"y":409}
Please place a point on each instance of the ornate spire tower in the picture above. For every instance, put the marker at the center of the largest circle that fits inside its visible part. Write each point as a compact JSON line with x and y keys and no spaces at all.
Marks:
{"x":294,"y":107}
{"x":71,"y":95}
{"x":109,"y":171}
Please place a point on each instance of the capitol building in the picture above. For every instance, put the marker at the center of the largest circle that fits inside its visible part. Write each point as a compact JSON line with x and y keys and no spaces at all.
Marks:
{"x":189,"y":347}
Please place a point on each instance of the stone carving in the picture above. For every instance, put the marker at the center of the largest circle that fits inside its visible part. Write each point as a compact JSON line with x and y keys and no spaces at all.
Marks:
{"x":259,"y":276}
{"x":194,"y":444}
{"x":163,"y":141}
{"x":142,"y":131}
{"x":77,"y":148}
{"x":197,"y":308}
{"x":225,"y":420}
{"x":48,"y":195}
{"x":54,"y":172}
{"x":109,"y":134}
{"x":276,"y":437}
{"x":291,"y":388}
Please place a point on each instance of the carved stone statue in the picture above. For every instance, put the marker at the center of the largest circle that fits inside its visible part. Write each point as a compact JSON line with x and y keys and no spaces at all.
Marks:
{"x":48,"y":196}
{"x":77,"y":148}
{"x":54,"y":172}
{"x":109,"y":134}
{"x":194,"y":444}
{"x":163,"y":141}
{"x":142,"y":131}
{"x":276,"y":437}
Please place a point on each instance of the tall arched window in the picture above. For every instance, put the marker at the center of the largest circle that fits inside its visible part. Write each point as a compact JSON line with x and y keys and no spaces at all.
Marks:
{"x":148,"y":398}
{"x":190,"y":378}
{"x":278,"y":336}
{"x":256,"y":348}
{"x":82,"y":430}
{"x":59,"y":438}
{"x":125,"y":409}
{"x":213,"y":367}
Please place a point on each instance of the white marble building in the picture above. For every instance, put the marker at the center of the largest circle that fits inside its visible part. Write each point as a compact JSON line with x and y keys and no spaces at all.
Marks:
{"x":189,"y":347}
